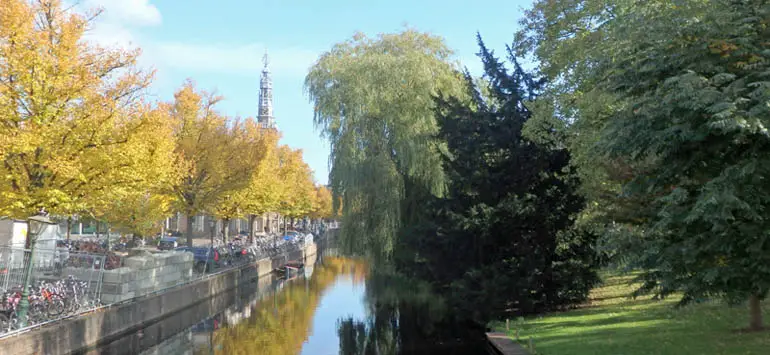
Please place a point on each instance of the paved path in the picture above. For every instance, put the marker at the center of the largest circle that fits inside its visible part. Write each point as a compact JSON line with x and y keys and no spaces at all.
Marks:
{"x":504,"y":344}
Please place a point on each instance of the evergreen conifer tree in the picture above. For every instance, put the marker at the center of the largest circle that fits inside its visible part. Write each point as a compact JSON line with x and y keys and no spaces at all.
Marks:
{"x":503,"y":236}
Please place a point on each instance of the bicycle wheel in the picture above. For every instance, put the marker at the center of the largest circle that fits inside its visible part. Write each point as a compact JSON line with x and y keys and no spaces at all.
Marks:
{"x":55,"y":308}
{"x":6,"y":324}
{"x":37,"y":313}
{"x":71,"y":305}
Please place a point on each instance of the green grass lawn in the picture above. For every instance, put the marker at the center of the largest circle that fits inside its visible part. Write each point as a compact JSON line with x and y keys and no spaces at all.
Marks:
{"x":614,"y":324}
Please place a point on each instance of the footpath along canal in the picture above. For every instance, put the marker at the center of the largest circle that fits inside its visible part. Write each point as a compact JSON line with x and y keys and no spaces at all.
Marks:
{"x":328,"y":308}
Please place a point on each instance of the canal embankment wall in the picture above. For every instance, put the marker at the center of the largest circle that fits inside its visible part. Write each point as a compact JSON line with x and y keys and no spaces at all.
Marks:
{"x":112,"y":322}
{"x":173,"y":334}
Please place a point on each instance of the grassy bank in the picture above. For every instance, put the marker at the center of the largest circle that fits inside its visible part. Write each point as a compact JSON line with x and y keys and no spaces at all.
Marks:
{"x":612,"y":323}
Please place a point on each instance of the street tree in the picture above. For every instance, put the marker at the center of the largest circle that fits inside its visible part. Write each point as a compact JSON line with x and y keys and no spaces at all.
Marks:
{"x":237,"y":203}
{"x":213,"y":155}
{"x":322,"y":204}
{"x":265,"y":190}
{"x":140,"y":211}
{"x":297,"y":179}
{"x":69,"y":112}
{"x":138,"y":214}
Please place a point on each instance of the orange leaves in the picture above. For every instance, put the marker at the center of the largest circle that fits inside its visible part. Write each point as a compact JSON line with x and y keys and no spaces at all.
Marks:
{"x":722,"y":47}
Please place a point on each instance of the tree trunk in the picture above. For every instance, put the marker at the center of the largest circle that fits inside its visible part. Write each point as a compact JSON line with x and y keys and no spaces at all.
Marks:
{"x":755,"y":313}
{"x":189,"y":231}
{"x":69,"y":227}
{"x":252,"y":231}
{"x":225,"y":229}
{"x":97,"y":230}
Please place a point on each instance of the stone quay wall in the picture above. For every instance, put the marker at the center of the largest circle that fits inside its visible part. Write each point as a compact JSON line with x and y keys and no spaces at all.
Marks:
{"x":144,"y":274}
{"x":113,"y":322}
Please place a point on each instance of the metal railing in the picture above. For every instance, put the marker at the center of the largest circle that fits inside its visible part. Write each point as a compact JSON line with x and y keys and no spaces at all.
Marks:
{"x":61,"y":284}
{"x":84,"y":273}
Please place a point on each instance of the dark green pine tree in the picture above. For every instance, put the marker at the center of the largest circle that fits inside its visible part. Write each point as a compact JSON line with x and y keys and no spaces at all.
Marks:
{"x":503,"y":237}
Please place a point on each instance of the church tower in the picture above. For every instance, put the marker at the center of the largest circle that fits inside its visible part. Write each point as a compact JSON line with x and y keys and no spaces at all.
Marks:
{"x":265,"y":113}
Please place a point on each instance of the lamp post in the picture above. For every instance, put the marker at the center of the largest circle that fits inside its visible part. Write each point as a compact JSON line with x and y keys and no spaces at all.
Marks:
{"x":35,"y":226}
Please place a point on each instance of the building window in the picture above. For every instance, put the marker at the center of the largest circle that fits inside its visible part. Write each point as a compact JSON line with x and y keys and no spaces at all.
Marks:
{"x":198,"y":222}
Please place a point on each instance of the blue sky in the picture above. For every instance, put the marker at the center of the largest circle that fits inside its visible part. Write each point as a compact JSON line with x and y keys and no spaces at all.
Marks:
{"x":219,"y":44}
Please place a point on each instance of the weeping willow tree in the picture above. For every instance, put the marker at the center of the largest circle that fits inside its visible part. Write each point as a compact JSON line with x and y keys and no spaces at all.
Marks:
{"x":373,"y":101}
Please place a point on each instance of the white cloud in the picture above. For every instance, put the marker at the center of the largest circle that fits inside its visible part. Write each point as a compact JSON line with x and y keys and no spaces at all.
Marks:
{"x":235,"y":58}
{"x":121,"y":23}
{"x":111,"y":34}
{"x":116,"y":25}
{"x":127,"y":12}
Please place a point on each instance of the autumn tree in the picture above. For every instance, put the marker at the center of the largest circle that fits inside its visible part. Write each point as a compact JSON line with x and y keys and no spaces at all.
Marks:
{"x":236,"y":203}
{"x":140,"y":211}
{"x":70,"y":112}
{"x":675,"y":96}
{"x":297,"y":180}
{"x":214,"y":155}
{"x":139,"y":214}
{"x":322,"y":204}
{"x":373,"y":100}
{"x":265,"y":190}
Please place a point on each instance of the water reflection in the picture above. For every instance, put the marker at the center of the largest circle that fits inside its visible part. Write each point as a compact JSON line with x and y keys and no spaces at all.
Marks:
{"x":281,"y":323}
{"x":404,"y":317}
{"x":337,"y":307}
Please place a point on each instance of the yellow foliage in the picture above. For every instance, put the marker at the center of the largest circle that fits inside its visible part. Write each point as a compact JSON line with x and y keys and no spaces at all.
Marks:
{"x":280,"y":323}
{"x":297,"y":180}
{"x":77,"y":137}
{"x":322,"y":206}
{"x":216,"y":158}
{"x":266,"y":190}
{"x":259,"y":141}
{"x":141,"y":211}
{"x":139,"y":214}
{"x":70,"y":113}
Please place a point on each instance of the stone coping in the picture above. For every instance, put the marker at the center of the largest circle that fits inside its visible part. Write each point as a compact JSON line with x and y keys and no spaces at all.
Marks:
{"x":504,"y":344}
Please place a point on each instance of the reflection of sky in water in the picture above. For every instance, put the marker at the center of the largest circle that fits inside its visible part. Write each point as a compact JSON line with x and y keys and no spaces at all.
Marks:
{"x":344,"y":299}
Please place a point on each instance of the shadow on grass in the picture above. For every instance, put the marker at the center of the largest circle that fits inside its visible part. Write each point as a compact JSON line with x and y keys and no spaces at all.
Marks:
{"x":618,"y":324}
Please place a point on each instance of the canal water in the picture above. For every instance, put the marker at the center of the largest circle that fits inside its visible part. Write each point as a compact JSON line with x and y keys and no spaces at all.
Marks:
{"x":327,"y":309}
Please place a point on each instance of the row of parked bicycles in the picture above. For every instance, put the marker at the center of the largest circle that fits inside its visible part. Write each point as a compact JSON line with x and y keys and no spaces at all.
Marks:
{"x":239,"y":251}
{"x":275,"y":245}
{"x":47,"y":301}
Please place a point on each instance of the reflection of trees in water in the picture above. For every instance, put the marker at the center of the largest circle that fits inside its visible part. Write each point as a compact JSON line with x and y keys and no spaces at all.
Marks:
{"x":404,"y":317}
{"x":280,"y":323}
{"x":378,"y":334}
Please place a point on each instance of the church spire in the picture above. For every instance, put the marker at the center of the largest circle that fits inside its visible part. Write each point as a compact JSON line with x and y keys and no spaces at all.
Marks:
{"x":265,"y":113}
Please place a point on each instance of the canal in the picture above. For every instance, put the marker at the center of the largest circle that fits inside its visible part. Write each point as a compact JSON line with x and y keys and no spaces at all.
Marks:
{"x":329,"y":308}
